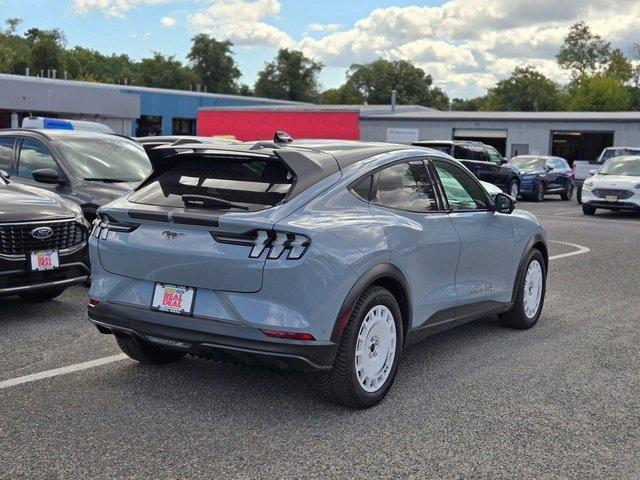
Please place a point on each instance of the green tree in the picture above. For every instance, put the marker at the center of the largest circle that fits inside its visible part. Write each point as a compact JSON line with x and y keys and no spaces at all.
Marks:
{"x":526,"y":90}
{"x":619,"y":67}
{"x":213,"y":62}
{"x":343,"y":95}
{"x":15,"y":54}
{"x":375,"y":81}
{"x":47,"y":49}
{"x":291,"y":76}
{"x":598,"y":94}
{"x":469,"y":105}
{"x":582,"y":52}
{"x":164,"y":72}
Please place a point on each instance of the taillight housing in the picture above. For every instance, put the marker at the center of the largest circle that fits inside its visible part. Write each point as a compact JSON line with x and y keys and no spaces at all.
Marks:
{"x":275,"y":243}
{"x":103,"y":224}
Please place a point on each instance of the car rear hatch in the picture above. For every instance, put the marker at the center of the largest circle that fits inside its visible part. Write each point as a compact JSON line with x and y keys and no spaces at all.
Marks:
{"x":200,"y":220}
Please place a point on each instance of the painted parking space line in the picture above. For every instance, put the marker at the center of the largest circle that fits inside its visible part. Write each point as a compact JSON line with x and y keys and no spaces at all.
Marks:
{"x":580,"y":249}
{"x":565,"y":212}
{"x":586,"y":220}
{"x":56,"y":372}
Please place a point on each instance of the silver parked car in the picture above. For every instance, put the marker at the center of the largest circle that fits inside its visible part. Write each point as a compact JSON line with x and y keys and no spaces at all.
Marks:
{"x":321,"y":256}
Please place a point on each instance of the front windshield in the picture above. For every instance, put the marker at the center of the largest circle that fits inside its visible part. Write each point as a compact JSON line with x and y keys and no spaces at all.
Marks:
{"x":528,"y":163}
{"x":110,"y":159}
{"x":626,"y":167}
{"x":618,"y":152}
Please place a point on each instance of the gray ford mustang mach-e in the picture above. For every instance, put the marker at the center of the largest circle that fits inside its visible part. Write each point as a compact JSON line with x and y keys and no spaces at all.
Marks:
{"x":319,"y":256}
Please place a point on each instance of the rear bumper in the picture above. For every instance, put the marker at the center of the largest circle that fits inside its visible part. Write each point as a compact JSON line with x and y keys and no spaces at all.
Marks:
{"x":212,"y":339}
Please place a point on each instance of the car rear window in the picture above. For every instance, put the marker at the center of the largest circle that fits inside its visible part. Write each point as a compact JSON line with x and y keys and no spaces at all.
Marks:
{"x":443,"y":147}
{"x":219,"y":183}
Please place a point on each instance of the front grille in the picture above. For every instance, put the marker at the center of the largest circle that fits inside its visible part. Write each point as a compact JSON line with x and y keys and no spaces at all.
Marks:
{"x":621,"y":194}
{"x":16,"y":239}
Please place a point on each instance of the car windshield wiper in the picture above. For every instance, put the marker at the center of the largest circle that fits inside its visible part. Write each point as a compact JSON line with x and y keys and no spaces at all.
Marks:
{"x":105,"y":180}
{"x":207,"y":201}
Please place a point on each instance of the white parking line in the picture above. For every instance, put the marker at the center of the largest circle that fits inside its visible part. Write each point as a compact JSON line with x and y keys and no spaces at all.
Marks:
{"x":56,"y":372}
{"x":566,"y":212}
{"x":580,"y":250}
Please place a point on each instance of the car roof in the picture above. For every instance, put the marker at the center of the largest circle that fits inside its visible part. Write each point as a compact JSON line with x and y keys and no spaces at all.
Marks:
{"x":173,"y":138}
{"x":55,"y":134}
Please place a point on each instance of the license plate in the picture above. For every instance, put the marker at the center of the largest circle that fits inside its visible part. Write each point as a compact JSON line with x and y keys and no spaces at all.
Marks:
{"x":173,"y":299}
{"x":44,"y":260}
{"x":611,"y":198}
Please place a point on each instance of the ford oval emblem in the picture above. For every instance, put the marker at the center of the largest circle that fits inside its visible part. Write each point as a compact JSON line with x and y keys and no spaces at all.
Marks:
{"x":42,"y":233}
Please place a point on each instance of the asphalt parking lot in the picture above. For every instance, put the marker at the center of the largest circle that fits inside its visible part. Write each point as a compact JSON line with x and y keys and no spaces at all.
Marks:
{"x":559,"y":401}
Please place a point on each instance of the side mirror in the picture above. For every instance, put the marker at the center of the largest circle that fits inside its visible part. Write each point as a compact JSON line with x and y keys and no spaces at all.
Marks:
{"x":4,"y":174}
{"x":503,"y":161}
{"x":593,"y":171}
{"x":47,"y":175}
{"x":504,"y":203}
{"x":548,"y":167}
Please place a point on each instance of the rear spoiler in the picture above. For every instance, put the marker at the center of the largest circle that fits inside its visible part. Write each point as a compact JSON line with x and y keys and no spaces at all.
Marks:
{"x":308,"y":166}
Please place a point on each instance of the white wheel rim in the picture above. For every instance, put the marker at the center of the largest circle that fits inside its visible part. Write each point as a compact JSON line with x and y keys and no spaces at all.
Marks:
{"x":514,"y":190}
{"x":533,"y":283}
{"x":375,"y":348}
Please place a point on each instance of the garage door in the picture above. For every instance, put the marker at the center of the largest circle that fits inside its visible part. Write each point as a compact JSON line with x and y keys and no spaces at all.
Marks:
{"x":496,"y":138}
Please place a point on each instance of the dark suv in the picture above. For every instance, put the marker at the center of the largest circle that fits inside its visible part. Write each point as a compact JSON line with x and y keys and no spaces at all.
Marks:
{"x":484,"y":161}
{"x":90,"y":169}
{"x":43,"y":242}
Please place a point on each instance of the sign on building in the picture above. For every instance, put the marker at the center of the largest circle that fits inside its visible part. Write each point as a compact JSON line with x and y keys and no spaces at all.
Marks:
{"x":403,"y":135}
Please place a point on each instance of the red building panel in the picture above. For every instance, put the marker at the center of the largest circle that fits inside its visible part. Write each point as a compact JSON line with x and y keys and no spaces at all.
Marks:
{"x":261,"y":125}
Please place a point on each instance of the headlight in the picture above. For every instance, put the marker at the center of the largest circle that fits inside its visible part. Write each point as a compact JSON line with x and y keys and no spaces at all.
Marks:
{"x":637,"y":186}
{"x":588,"y":183}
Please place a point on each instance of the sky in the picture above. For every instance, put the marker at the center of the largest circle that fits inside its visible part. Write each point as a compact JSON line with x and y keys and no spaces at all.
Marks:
{"x":466,"y":45}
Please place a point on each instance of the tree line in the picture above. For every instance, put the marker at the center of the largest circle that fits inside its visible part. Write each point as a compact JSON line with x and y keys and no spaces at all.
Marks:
{"x":602,"y":77}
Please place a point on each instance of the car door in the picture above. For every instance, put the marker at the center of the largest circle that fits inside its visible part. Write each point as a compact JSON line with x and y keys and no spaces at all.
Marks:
{"x":565,"y":173}
{"x":552,"y":177}
{"x":483,"y":274}
{"x":34,"y":155}
{"x":422,"y":240}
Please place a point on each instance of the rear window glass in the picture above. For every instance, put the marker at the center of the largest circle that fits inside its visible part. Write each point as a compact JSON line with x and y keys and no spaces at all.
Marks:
{"x":442,"y":147}
{"x":219,"y":183}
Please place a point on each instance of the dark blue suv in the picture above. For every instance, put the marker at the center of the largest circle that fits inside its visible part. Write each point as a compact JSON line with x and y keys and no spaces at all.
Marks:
{"x":541,"y":175}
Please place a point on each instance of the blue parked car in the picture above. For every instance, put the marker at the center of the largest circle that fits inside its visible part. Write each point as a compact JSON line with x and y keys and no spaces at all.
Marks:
{"x":318,"y":256}
{"x":541,"y":175}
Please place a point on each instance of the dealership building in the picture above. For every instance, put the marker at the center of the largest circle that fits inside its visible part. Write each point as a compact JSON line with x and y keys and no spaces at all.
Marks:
{"x":572,"y":135}
{"x":127,"y":109}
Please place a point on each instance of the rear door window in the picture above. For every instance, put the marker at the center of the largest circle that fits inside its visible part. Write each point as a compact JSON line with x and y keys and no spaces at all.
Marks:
{"x":219,"y":183}
{"x":405,"y":186}
{"x":6,"y":152}
{"x":462,"y":152}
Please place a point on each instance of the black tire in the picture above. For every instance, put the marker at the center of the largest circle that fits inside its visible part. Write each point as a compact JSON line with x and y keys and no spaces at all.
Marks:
{"x":43,"y":295}
{"x":147,"y":353}
{"x":579,"y":195}
{"x":516,"y":317}
{"x":568,"y":193}
{"x":341,"y":384}
{"x":588,"y":210}
{"x":510,"y":187}
{"x":539,"y":195}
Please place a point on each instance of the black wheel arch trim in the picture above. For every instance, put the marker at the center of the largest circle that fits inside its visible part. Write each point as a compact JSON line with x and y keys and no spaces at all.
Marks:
{"x":537,"y":238}
{"x":373,"y":274}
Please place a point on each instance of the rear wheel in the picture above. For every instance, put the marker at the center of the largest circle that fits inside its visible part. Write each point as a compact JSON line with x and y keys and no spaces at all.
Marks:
{"x":369,"y":352}
{"x":588,"y":210}
{"x":43,"y":295}
{"x":579,"y":194}
{"x":147,"y":353}
{"x":568,"y":193}
{"x":514,"y":189}
{"x":530,"y":295}
{"x":539,"y":197}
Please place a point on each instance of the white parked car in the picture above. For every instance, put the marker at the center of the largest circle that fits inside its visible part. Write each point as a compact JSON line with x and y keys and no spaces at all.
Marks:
{"x":614,"y":186}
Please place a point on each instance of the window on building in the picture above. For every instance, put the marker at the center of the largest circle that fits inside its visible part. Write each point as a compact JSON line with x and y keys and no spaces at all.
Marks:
{"x":149,"y":126}
{"x":184,"y":126}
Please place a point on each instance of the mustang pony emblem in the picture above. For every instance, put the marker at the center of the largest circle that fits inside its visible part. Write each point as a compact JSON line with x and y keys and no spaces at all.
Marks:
{"x":169,"y":235}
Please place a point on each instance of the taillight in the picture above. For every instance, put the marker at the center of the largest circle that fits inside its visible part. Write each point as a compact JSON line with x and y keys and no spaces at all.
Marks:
{"x":93,"y":302}
{"x":276,"y":244}
{"x":103,"y":224}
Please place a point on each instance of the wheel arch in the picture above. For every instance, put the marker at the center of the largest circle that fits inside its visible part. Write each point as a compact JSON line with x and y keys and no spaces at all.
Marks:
{"x":538,"y":242}
{"x":384,"y":275}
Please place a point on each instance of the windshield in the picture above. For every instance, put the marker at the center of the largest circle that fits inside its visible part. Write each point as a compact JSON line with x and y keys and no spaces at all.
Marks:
{"x":618,"y":152}
{"x":528,"y":163}
{"x":110,"y":159}
{"x":624,"y":167}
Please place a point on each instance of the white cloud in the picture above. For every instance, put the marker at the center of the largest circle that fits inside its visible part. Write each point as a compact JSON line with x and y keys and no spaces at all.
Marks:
{"x":113,"y":8}
{"x":168,"y":22}
{"x":324,"y":27}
